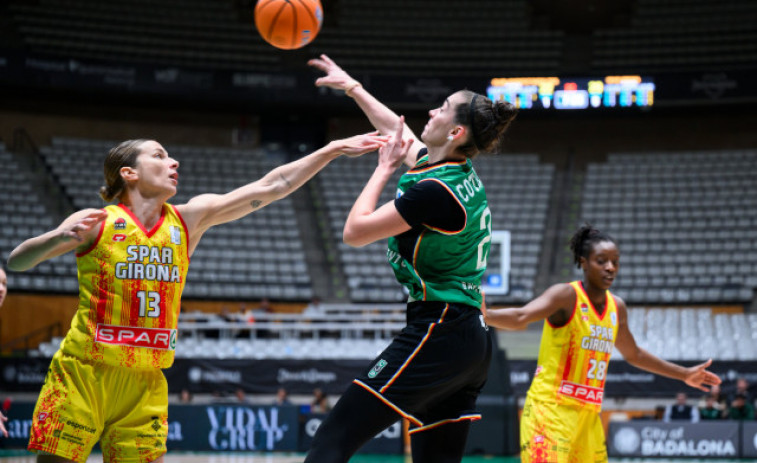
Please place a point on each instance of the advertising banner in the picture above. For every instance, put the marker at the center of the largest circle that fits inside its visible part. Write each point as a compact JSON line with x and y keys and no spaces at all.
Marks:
{"x":654,"y":439}
{"x":388,"y":442}
{"x":216,"y":427}
{"x":407,"y":91}
{"x":232,"y":428}
{"x":749,"y":439}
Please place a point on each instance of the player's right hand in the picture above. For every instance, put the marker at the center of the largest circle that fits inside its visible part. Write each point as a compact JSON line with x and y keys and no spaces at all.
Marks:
{"x":79,"y":229}
{"x":361,"y":144}
{"x":335,"y":76}
{"x":395,"y":151}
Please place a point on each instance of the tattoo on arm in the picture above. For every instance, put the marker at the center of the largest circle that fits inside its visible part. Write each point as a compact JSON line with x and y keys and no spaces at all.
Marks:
{"x":255,"y":203}
{"x":285,"y":180}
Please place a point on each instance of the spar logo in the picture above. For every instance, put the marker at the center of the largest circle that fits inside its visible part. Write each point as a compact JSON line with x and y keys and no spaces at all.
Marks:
{"x":592,"y":395}
{"x":150,"y":338}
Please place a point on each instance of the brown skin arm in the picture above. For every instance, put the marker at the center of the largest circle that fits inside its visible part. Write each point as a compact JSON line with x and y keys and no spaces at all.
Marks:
{"x":696,"y":376}
{"x":556,"y":304}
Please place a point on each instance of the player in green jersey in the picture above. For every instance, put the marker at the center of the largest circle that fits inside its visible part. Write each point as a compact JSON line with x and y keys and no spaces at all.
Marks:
{"x":439,"y":228}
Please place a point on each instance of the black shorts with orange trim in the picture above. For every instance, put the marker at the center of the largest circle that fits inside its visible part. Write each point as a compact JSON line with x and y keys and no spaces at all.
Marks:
{"x":434,"y":369}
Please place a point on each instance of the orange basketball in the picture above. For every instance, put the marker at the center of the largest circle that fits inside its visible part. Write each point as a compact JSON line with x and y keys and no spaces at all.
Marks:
{"x":288,"y":24}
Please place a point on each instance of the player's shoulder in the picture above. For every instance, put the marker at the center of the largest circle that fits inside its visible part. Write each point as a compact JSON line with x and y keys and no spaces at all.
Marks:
{"x":619,"y":302}
{"x":562,"y":291}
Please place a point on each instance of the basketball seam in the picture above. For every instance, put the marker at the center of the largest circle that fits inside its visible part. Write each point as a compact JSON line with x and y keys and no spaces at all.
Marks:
{"x":259,"y":10}
{"x":295,"y":35}
{"x":275,"y":18}
{"x":312,"y":15}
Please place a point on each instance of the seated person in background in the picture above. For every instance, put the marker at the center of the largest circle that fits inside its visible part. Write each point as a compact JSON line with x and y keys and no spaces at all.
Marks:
{"x":742,"y":388}
{"x":241,"y":396}
{"x":320,"y":402}
{"x":718,"y":399}
{"x":681,"y":411}
{"x":710,"y":409}
{"x":314,"y":308}
{"x":741,"y":409}
{"x":282,"y":397}
{"x":185,"y":396}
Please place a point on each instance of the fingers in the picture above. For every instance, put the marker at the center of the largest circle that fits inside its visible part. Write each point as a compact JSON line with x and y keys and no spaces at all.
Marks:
{"x":400,"y":127}
{"x":328,"y":60}
{"x":318,"y":63}
{"x":407,"y":145}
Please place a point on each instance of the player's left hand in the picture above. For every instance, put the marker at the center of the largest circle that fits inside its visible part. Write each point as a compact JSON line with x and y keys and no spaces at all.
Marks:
{"x":483,"y":306}
{"x":361,"y":144}
{"x":699,"y":377}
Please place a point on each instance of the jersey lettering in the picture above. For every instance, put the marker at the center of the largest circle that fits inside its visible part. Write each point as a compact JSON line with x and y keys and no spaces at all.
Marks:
{"x":151,"y":338}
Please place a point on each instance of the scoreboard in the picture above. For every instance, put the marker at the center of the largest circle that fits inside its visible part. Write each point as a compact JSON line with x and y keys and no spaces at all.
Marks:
{"x":573,"y":93}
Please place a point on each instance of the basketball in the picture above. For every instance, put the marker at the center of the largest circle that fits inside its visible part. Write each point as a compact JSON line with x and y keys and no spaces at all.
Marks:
{"x":288,"y":24}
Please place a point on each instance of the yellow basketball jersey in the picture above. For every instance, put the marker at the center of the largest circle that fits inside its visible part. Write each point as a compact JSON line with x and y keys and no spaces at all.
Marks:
{"x":573,"y":358}
{"x":130,"y":284}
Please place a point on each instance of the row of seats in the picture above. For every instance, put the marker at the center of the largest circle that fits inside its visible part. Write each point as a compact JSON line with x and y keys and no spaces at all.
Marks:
{"x":695,"y":334}
{"x":678,"y":254}
{"x":702,"y":34}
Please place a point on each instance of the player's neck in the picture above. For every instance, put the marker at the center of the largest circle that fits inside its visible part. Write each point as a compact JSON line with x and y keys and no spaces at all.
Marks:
{"x":146,"y":210}
{"x":440,"y":154}
{"x":597,"y":296}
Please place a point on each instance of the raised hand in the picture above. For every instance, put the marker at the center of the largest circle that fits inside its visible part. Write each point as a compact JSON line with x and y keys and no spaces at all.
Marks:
{"x":361,"y":144}
{"x":394,"y":152}
{"x":700,"y":378}
{"x":335,"y":76}
{"x":79,"y":229}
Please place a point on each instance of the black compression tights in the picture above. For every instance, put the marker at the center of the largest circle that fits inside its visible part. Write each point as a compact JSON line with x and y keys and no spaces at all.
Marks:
{"x":443,"y":444}
{"x":359,"y":415}
{"x":354,"y":420}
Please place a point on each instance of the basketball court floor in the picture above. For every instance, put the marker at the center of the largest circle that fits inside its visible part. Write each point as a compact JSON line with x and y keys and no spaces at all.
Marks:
{"x":180,"y":457}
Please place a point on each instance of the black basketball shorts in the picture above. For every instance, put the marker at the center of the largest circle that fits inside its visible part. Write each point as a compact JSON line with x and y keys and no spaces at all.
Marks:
{"x":434,"y":369}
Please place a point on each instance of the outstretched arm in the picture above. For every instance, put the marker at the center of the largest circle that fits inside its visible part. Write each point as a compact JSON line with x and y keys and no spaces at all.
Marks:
{"x":382,"y":118}
{"x":556,"y":299}
{"x":77,"y":231}
{"x":205,"y":211}
{"x":696,"y":376}
{"x":366,"y":224}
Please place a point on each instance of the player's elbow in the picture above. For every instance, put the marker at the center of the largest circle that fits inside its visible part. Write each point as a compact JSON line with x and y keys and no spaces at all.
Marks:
{"x":352,"y":237}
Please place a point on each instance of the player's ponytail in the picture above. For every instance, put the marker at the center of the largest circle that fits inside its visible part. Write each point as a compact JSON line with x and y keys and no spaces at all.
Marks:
{"x":584,"y":240}
{"x":123,"y":155}
{"x":488,"y":121}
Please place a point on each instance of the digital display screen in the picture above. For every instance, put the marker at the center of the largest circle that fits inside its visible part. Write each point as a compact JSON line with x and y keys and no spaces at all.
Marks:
{"x":573,"y":93}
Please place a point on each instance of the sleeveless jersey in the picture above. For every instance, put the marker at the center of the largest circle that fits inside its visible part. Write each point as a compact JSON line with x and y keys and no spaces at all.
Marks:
{"x":130,"y":284}
{"x":573,"y":358}
{"x":446,"y":265}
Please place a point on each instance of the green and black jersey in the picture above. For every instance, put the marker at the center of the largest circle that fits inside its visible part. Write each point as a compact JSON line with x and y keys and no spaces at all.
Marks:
{"x":443,"y":257}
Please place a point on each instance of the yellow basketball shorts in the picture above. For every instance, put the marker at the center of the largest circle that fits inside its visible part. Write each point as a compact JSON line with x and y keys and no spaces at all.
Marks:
{"x":82,"y":403}
{"x":552,"y":433}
